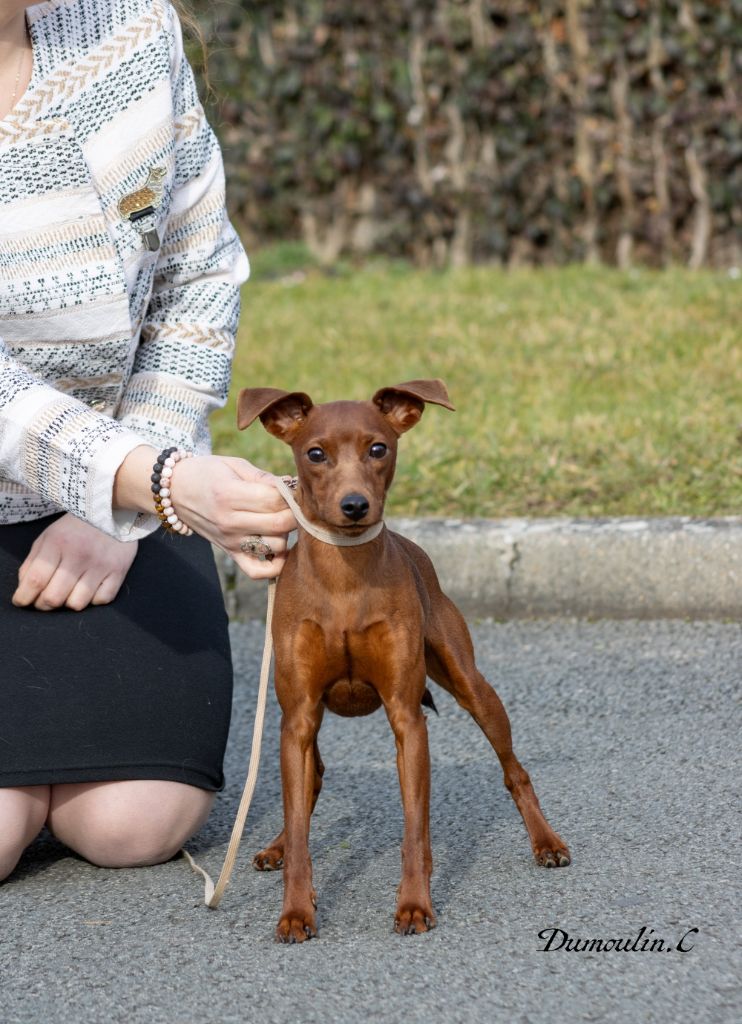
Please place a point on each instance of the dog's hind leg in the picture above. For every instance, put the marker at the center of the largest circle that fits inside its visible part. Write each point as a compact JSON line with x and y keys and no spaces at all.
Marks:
{"x":449,"y":658}
{"x":271,"y":858}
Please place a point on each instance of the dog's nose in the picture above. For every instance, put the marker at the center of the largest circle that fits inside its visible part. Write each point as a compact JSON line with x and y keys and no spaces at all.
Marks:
{"x":354,"y":506}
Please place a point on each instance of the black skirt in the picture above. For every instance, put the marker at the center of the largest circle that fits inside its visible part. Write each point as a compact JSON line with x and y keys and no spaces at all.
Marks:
{"x":137,"y":689}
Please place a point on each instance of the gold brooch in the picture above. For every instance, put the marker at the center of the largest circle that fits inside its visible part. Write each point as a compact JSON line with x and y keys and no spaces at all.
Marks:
{"x":143,"y":202}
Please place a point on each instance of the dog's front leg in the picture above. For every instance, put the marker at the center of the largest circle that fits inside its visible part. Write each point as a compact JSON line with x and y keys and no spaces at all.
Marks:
{"x":299,"y":727}
{"x":414,"y":912}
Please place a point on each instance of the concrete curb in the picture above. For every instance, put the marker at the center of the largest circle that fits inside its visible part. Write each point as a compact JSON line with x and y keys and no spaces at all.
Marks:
{"x":590,"y":568}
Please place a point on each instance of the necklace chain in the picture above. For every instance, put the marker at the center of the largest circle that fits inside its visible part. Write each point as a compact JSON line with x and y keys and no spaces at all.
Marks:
{"x":17,"y":77}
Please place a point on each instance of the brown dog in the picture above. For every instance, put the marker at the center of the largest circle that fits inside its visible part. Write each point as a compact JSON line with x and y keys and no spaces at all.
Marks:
{"x":358,"y":627}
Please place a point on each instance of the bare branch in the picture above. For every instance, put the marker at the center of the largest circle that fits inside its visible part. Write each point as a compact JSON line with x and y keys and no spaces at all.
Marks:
{"x":584,"y":156}
{"x":702,"y":220}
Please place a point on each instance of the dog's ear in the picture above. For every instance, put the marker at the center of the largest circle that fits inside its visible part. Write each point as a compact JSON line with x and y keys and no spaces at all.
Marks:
{"x":281,"y":412}
{"x":403,"y":404}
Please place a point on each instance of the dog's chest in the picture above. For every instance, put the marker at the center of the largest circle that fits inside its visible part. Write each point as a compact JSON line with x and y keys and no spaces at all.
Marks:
{"x":349,"y":667}
{"x":346,"y":634}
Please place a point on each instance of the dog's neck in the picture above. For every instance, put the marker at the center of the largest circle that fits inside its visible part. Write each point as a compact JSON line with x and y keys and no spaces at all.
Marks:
{"x":333,"y":537}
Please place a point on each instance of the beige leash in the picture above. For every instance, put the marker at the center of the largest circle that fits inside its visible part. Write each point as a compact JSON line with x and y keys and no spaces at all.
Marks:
{"x":213,"y":893}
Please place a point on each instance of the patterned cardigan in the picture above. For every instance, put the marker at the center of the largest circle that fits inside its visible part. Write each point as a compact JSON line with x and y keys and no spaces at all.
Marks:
{"x":114,"y":331}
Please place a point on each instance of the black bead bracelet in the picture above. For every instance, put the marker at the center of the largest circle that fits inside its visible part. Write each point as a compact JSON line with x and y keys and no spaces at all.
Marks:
{"x":162,"y":473}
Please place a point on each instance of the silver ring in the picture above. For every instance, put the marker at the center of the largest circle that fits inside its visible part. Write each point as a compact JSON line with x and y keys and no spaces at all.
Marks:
{"x":256,"y":547}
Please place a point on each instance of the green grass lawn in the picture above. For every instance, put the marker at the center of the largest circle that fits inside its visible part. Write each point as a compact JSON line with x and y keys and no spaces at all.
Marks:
{"x":578,"y":391}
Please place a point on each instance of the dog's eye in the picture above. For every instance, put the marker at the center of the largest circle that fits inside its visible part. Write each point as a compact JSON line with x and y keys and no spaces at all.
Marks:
{"x":378,"y":450}
{"x":316,"y":455}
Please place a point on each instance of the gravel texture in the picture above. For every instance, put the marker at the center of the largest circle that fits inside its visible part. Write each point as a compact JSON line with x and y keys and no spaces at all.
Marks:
{"x":630,"y":731}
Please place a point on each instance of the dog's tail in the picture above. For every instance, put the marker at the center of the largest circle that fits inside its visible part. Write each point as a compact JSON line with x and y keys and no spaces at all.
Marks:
{"x":428,"y":701}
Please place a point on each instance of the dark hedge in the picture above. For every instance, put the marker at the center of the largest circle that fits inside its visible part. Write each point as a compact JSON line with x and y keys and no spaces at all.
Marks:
{"x":520,"y":132}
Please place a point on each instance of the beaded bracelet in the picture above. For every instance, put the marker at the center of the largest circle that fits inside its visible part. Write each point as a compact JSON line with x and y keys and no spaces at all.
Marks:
{"x":162,"y":472}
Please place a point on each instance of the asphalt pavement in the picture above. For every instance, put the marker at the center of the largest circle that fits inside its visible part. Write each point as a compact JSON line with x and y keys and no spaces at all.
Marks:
{"x":631,"y":733}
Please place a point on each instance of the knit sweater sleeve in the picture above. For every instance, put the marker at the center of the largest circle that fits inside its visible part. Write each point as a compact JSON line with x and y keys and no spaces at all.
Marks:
{"x":182,"y":366}
{"x":64,"y":451}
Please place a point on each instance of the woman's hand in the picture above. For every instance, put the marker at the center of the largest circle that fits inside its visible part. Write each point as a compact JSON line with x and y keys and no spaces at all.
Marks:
{"x":226,"y":500}
{"x":72,"y":565}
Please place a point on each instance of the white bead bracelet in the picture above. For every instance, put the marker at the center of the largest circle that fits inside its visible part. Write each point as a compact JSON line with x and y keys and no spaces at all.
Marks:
{"x":162,"y":472}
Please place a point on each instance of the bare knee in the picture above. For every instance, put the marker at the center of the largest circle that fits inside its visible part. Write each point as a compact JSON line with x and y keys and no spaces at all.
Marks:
{"x":110,"y":842}
{"x":23,"y":810}
{"x":128,"y":824}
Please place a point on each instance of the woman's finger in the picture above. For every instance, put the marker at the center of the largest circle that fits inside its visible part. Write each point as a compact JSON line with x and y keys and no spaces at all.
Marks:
{"x":108,"y":588}
{"x":34,"y":575}
{"x":271,"y":524}
{"x":259,"y":497}
{"x":256,"y":569}
{"x":59,"y":588}
{"x":237,"y":525}
{"x":83,"y":591}
{"x":247,"y":471}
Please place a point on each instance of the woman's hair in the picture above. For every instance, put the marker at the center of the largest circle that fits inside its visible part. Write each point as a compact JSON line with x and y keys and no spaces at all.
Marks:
{"x":192,"y":28}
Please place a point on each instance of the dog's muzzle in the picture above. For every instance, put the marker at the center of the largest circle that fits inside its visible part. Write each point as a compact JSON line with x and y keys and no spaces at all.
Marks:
{"x":354,"y":506}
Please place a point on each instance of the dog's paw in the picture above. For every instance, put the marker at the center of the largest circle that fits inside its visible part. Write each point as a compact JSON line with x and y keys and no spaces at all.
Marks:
{"x":296,"y":926}
{"x":411,"y":920}
{"x":553,"y":854}
{"x":270,"y":859}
